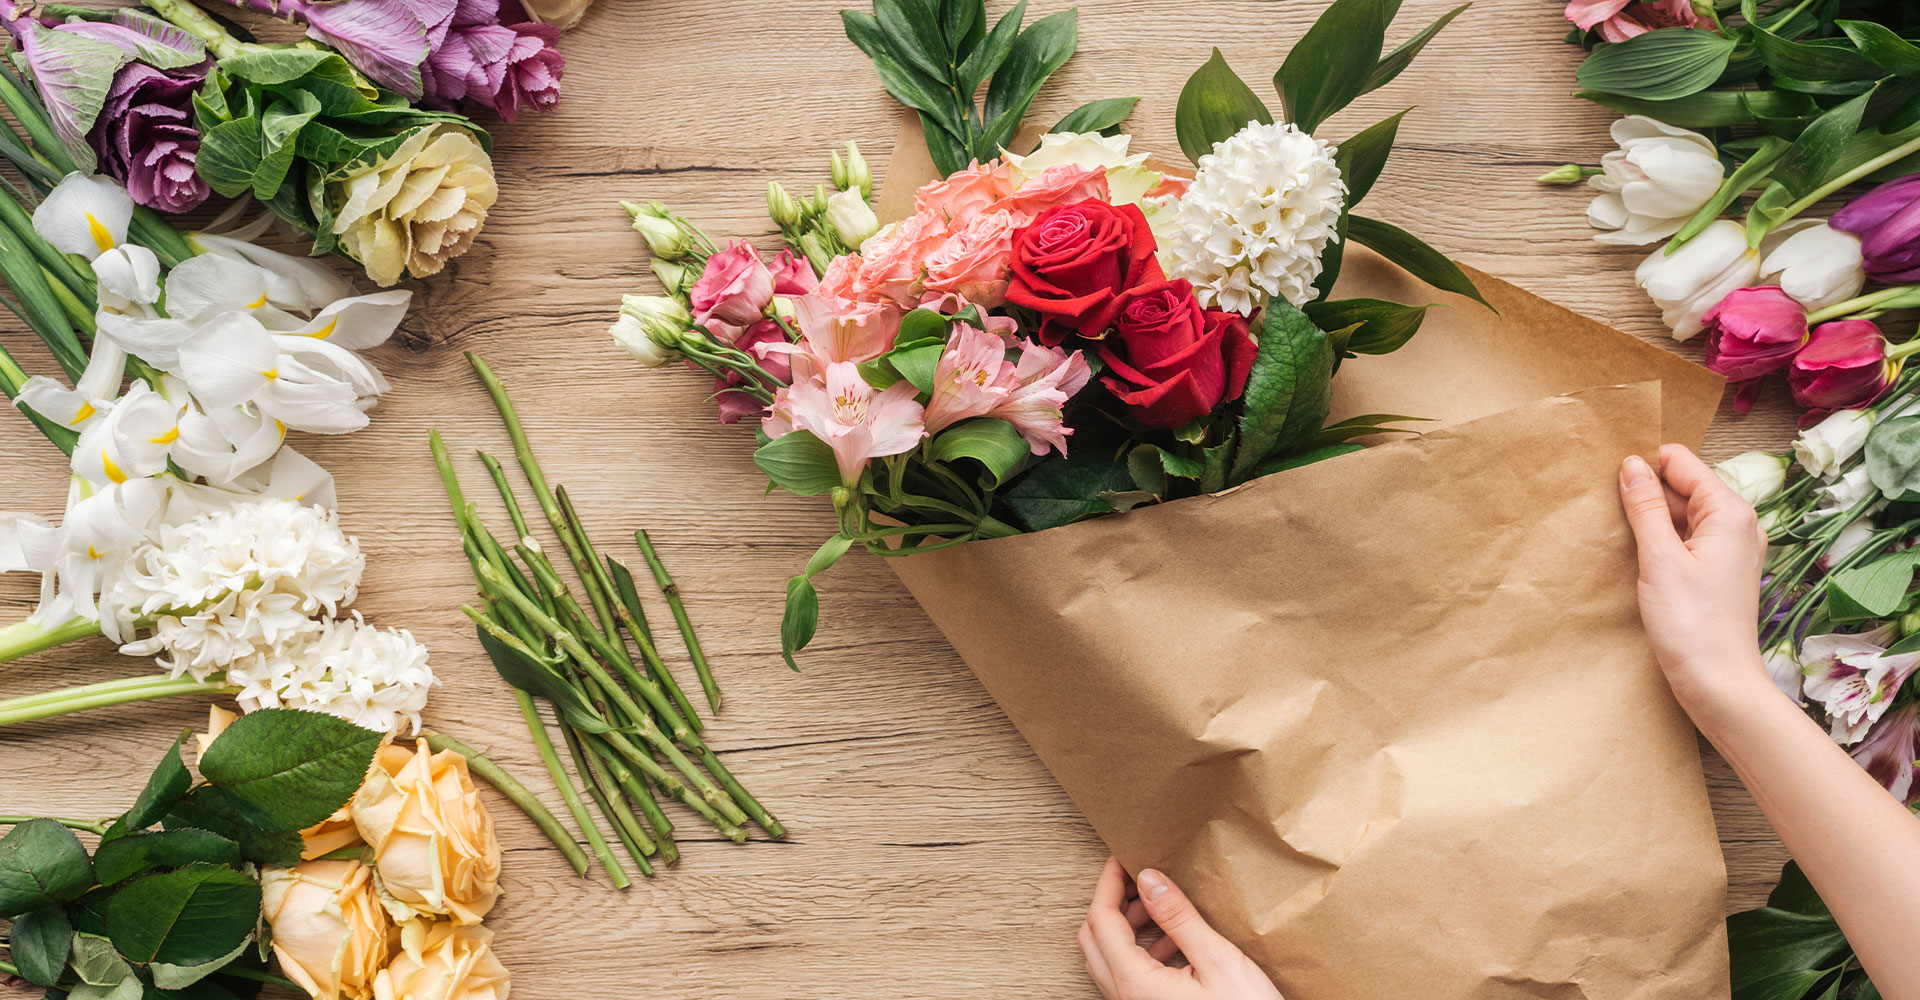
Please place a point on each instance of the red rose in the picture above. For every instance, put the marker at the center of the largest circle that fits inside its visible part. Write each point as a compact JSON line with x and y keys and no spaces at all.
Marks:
{"x":1072,"y":262}
{"x":1171,"y":361}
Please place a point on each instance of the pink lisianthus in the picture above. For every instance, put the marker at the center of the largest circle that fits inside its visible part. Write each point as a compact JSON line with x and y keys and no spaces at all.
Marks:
{"x":792,"y":276}
{"x":966,"y":193}
{"x":972,"y":378}
{"x":893,"y":262}
{"x":1891,"y":752}
{"x":1619,"y":20}
{"x":1064,"y":184}
{"x":763,"y":339}
{"x":974,"y":261}
{"x":842,"y":280}
{"x":851,"y":417}
{"x":734,"y":290}
{"x":1043,"y":381}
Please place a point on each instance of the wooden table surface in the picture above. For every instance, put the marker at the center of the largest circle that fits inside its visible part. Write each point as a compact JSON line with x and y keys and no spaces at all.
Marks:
{"x":931,"y":854}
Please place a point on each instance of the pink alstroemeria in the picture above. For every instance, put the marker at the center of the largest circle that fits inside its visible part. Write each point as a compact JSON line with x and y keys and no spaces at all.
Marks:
{"x":972,"y":378}
{"x":853,"y":419}
{"x":1854,"y":680}
{"x":1044,"y":380}
{"x":1619,"y":20}
{"x":1891,"y":752}
{"x":836,"y":330}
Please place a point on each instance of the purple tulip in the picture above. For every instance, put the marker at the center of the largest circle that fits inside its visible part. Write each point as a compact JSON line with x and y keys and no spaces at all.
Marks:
{"x":1887,"y":220}
{"x":145,"y":137}
{"x":504,"y":66}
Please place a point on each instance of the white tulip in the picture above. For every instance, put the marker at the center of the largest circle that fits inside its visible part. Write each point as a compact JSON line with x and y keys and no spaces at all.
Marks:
{"x":1818,"y":265}
{"x":1653,"y":183}
{"x":1693,"y":279}
{"x":1756,"y":475}
{"x":85,"y":214}
{"x":851,"y":217}
{"x":1823,"y":448}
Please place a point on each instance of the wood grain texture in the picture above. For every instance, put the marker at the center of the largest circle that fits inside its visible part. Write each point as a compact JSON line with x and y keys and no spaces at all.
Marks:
{"x":932,"y":856}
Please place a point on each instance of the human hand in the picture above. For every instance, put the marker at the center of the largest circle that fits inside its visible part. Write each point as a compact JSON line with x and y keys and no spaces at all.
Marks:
{"x":1701,"y":553}
{"x":1215,"y":969}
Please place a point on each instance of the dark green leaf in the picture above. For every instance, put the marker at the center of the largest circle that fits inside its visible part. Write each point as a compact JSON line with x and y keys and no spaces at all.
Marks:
{"x":1362,"y":157}
{"x":530,"y":672}
{"x":164,"y":787}
{"x":1215,"y":461}
{"x":1413,"y":255}
{"x":949,"y":154}
{"x":1287,"y":391}
{"x":1282,"y":463}
{"x":205,"y":808}
{"x":1819,"y":147}
{"x":799,"y":463}
{"x":1797,"y":984}
{"x":995,"y":444}
{"x":1148,"y":471}
{"x":184,"y":917}
{"x":1821,"y":88}
{"x":38,"y":944}
{"x":1709,"y":108}
{"x":904,"y":83}
{"x":1768,"y":943}
{"x":800,"y":619}
{"x":119,"y":860}
{"x":1397,"y":60}
{"x":1332,"y":257}
{"x":1042,"y":48}
{"x":1213,"y":106}
{"x":1332,"y":63}
{"x":1794,"y":893}
{"x":1660,"y":65}
{"x":1181,"y":465}
{"x":287,"y":770}
{"x":1879,"y":43}
{"x":1103,"y":116}
{"x":987,"y":58}
{"x":912,"y":31}
{"x":1819,"y":60}
{"x":41,"y":862}
{"x":1067,"y":490}
{"x":963,"y":22}
{"x":1384,"y":327}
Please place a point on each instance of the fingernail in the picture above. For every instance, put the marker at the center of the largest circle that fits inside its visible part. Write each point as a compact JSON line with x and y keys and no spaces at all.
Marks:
{"x":1635,"y":471}
{"x":1152,"y":884}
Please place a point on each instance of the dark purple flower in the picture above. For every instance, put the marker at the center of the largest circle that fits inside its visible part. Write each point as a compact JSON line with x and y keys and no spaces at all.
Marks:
{"x":1887,"y":220}
{"x":146,"y":138}
{"x":505,"y":66}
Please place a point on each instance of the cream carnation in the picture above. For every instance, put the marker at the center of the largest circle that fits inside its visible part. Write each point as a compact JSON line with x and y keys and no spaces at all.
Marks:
{"x":1262,"y":207}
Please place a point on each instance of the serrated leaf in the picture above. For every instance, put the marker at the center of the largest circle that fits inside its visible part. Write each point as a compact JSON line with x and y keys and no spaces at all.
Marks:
{"x":185,"y":917}
{"x":205,"y":808}
{"x":118,"y":860}
{"x":287,"y":770}
{"x":38,"y":944}
{"x":1062,"y":491}
{"x":41,"y":863}
{"x":179,"y":977}
{"x":272,"y":65}
{"x":1287,"y":397}
{"x":1214,"y":104}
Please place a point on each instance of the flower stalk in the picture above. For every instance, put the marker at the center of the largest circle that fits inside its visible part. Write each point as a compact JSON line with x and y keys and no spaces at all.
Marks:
{"x":108,"y":694}
{"x":515,"y":792}
{"x":26,"y":638}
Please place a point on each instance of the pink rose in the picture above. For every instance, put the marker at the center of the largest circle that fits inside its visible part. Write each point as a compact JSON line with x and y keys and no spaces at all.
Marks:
{"x":973,"y":261}
{"x":1619,"y":20}
{"x":1065,"y":184}
{"x":734,"y":289}
{"x":967,"y":193}
{"x":893,"y":261}
{"x":842,"y":280}
{"x":792,"y":276}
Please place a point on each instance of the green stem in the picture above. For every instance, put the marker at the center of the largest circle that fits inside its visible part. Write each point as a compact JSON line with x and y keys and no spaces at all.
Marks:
{"x":190,"y":19}
{"x":25,"y":638}
{"x":33,"y":118}
{"x":1894,"y":155}
{"x":537,"y":728}
{"x":672,"y":594}
{"x":516,"y":793}
{"x":90,"y":826}
{"x":1860,"y":304}
{"x":80,"y":699}
{"x":611,"y":806}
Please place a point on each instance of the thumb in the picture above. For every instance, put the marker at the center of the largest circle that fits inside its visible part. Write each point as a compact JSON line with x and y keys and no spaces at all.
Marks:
{"x":1645,"y":500}
{"x":1176,"y":916}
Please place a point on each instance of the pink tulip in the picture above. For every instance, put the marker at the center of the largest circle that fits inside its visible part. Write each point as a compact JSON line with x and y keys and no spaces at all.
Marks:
{"x":735,"y":289}
{"x":1619,"y":20}
{"x":854,"y":420}
{"x":1753,"y":331}
{"x":1843,"y":367}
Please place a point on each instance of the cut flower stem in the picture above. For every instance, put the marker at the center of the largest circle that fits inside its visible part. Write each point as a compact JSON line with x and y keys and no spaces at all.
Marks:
{"x":106,"y":694}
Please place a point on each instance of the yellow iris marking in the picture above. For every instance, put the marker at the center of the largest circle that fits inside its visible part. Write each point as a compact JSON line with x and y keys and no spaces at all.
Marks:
{"x":283,"y":428}
{"x":325,"y":331}
{"x":113,"y":471}
{"x":101,"y":237}
{"x":257,"y":303}
{"x":271,"y":374}
{"x":92,"y":553}
{"x":86,"y":410}
{"x":167,"y":438}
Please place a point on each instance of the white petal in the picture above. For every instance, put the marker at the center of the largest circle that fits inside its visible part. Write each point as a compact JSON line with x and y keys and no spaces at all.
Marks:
{"x":128,"y":275}
{"x":151,"y":339}
{"x":209,"y":283}
{"x":85,"y":215}
{"x":301,"y":284}
{"x":294,"y":476}
{"x":229,"y":361}
{"x":359,"y":322}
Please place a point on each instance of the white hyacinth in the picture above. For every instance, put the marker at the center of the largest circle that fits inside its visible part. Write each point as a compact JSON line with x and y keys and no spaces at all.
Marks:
{"x":1260,"y":212}
{"x":377,"y":679}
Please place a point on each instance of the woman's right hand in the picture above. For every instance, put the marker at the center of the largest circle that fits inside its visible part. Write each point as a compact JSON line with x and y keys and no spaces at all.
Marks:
{"x":1123,"y":970}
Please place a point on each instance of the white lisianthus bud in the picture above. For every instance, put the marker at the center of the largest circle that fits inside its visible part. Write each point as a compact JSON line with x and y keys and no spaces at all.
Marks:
{"x":781,"y":207}
{"x":858,"y":174}
{"x":1756,"y":475}
{"x":663,"y":237}
{"x":851,"y":217}
{"x":1689,"y":282}
{"x":1818,"y":266}
{"x":631,"y":334}
{"x":1823,"y":448}
{"x":650,"y":327}
{"x":1653,"y":183}
{"x":676,"y":277}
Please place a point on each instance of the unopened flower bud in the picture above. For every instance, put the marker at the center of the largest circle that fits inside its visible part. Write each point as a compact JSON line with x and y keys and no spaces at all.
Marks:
{"x":851,"y":217}
{"x":662,"y":320}
{"x":817,"y":254}
{"x":631,"y":334}
{"x":676,"y":277}
{"x":636,"y":210}
{"x":781,"y":306}
{"x":858,"y":175}
{"x":819,"y":206}
{"x":837,"y":169}
{"x":663,"y":237}
{"x":841,"y":497}
{"x":1569,"y":174}
{"x":781,"y":207}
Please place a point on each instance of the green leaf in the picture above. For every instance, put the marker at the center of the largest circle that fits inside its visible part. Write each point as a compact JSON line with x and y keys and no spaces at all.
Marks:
{"x":1287,"y":391}
{"x":1389,"y":67}
{"x":1214,"y":462}
{"x":919,"y":327}
{"x":995,"y":444}
{"x":164,"y":787}
{"x":1766,"y":944}
{"x":1413,"y":255}
{"x":1103,"y":116}
{"x":1214,"y":104}
{"x":799,"y":463}
{"x":1362,"y":157}
{"x":1819,"y":147}
{"x":1893,"y":457}
{"x":1383,"y":326}
{"x":1042,"y":48}
{"x":799,"y":620}
{"x":1332,"y":63}
{"x":1880,"y":44}
{"x":1660,"y":65}
{"x":41,"y":862}
{"x":912,"y":31}
{"x":917,"y":360}
{"x":39,"y":943}
{"x":1795,"y":893}
{"x":1821,"y":60}
{"x":1875,"y":590}
{"x":992,"y":52}
{"x":103,"y":974}
{"x":1365,"y":425}
{"x":1181,"y":466}
{"x":229,"y":155}
{"x":540,"y":676}
{"x":280,"y":126}
{"x":184,"y":917}
{"x":286,"y":770}
{"x":1709,"y":108}
{"x":272,"y":65}
{"x":828,"y":554}
{"x":118,"y":860}
{"x":1282,"y":463}
{"x":903,"y":83}
{"x":962,"y":22}
{"x":205,"y":808}
{"x":1058,"y":492}
{"x":1756,"y":168}
{"x":179,"y":977}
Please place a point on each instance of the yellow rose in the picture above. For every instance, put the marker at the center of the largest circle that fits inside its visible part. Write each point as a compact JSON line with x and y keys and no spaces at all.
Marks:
{"x":432,"y":837}
{"x":330,"y":834}
{"x":330,"y":932}
{"x":218,"y":719}
{"x":443,"y":961}
{"x":417,"y":208}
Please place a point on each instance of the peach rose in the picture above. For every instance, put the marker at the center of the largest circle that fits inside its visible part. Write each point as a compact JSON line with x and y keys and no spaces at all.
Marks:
{"x":842,"y":280}
{"x":893,"y":260}
{"x":330,"y":834}
{"x":330,"y":932}
{"x":433,"y":845}
{"x":966,"y":193}
{"x":973,"y":261}
{"x":1065,"y":184}
{"x":443,"y":961}
{"x":218,"y":719}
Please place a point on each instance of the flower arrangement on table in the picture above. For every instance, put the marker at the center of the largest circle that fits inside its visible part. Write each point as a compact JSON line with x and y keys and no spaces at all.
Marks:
{"x":1053,"y":335}
{"x":1766,"y":111}
{"x":362,"y":868}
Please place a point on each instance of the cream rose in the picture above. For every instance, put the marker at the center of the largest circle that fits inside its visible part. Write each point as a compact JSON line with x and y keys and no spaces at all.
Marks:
{"x":330,"y":932}
{"x":442,"y":961}
{"x":1128,"y":179}
{"x":432,"y":837}
{"x":417,"y":208}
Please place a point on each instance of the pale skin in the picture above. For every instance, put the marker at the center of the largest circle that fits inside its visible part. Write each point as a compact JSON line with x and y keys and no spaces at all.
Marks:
{"x":1701,"y":552}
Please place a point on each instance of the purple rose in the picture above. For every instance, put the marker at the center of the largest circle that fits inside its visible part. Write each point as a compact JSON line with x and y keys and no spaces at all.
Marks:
{"x":146,"y":138}
{"x":1887,"y":220}
{"x":504,"y":66}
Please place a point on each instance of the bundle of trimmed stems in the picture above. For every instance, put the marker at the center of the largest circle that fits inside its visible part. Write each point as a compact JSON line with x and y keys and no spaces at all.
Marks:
{"x":632,"y":734}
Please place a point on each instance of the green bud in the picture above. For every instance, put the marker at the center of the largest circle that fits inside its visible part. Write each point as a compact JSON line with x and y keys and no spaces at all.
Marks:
{"x":1910,"y":622}
{"x":858,"y":175}
{"x":841,"y":497}
{"x":781,"y":207}
{"x":837,"y":170}
{"x":653,"y":208}
{"x":817,"y":253}
{"x":819,"y":206}
{"x":675,"y":276}
{"x":663,"y":237}
{"x":1572,"y":173}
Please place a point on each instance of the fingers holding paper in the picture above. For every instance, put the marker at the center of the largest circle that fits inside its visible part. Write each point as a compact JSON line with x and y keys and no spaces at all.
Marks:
{"x":1122,"y":909}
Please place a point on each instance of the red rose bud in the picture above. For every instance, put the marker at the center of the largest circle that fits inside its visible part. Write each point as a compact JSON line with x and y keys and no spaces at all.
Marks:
{"x":1843,"y":367}
{"x":1072,"y":262}
{"x":1171,"y":361}
{"x":1753,"y":331}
